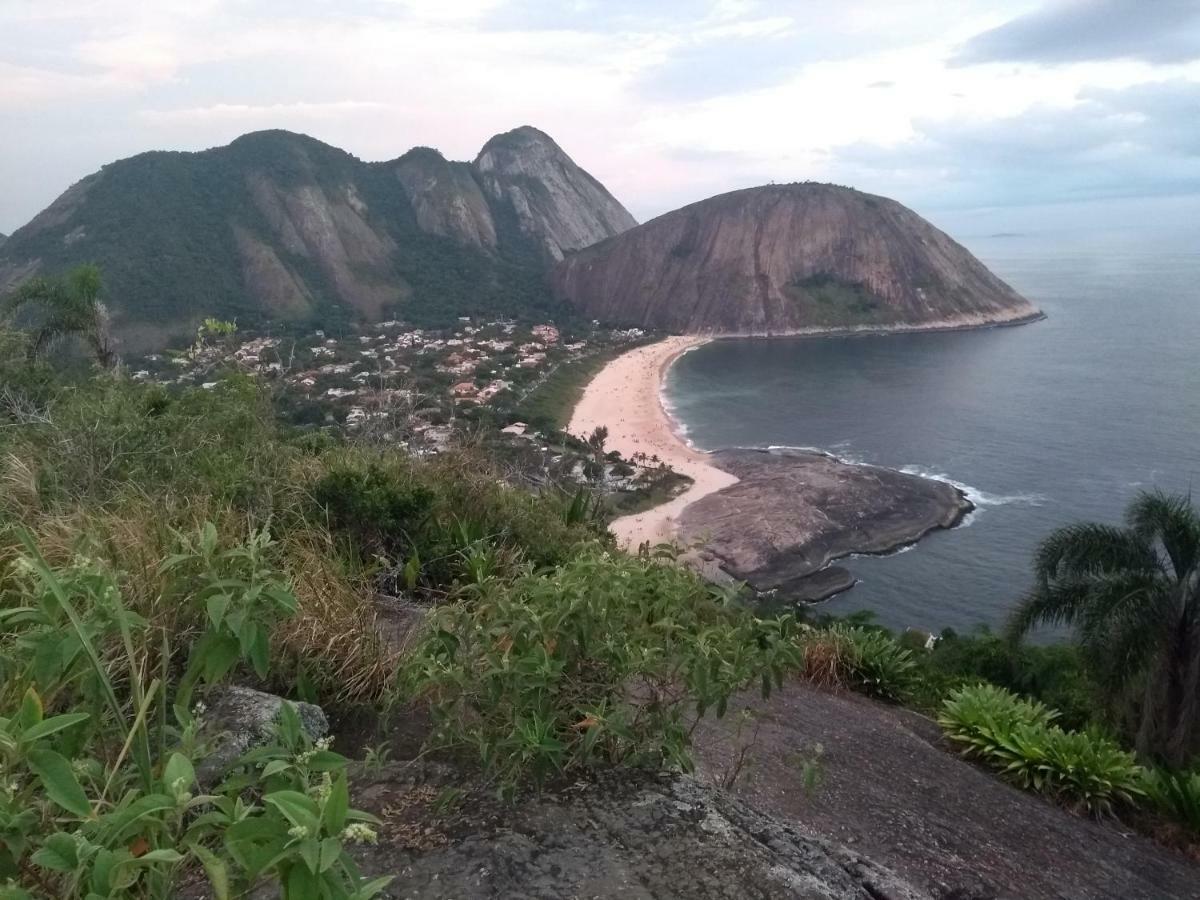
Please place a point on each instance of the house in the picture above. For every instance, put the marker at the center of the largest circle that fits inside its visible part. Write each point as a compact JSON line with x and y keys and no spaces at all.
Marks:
{"x":547,"y":334}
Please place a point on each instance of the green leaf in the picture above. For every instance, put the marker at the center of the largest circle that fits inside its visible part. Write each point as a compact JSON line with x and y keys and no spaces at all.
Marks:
{"x":31,"y":709}
{"x":58,"y":853}
{"x":325,"y":761}
{"x":220,"y":654}
{"x":310,"y":852}
{"x":275,"y":766}
{"x":178,"y":768}
{"x":164,"y":855}
{"x":337,"y":805}
{"x":372,"y":888}
{"x":260,"y":651}
{"x":215,"y":869}
{"x":331,"y":850}
{"x":216,"y":605}
{"x":297,"y":808}
{"x":301,"y":885}
{"x":59,"y":781}
{"x":50,"y":726}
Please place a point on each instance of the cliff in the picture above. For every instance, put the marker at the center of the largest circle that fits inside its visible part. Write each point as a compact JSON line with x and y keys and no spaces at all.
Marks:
{"x":279,"y":227}
{"x":786,"y":258}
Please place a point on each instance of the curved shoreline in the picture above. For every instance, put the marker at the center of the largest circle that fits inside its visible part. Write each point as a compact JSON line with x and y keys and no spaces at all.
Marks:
{"x":626,"y":398}
{"x":961,"y":323}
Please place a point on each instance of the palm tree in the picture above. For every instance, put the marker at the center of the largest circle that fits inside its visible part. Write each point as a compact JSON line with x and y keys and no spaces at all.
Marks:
{"x":70,"y":307}
{"x":1132,"y":596}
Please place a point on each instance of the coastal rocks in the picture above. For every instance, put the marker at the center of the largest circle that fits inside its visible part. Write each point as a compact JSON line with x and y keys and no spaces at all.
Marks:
{"x":239,"y":718}
{"x":622,"y":836}
{"x":792,"y":512}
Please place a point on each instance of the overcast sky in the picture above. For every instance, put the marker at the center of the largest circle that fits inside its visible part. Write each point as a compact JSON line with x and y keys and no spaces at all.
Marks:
{"x":947,"y":106}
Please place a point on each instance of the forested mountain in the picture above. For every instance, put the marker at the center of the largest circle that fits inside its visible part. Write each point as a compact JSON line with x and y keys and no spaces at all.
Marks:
{"x":279,"y":227}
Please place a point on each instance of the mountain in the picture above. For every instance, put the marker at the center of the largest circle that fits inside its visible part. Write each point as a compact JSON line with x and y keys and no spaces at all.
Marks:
{"x":786,"y":258}
{"x":278,"y":227}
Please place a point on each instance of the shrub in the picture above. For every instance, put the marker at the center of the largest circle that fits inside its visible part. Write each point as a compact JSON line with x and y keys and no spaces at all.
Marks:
{"x":864,"y":659}
{"x":1084,"y":770}
{"x":877,"y":664}
{"x":97,"y":743}
{"x":605,"y":659}
{"x":1175,"y":795}
{"x":379,"y":510}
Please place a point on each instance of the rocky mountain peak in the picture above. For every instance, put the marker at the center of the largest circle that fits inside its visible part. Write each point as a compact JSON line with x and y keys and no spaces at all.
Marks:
{"x":551,"y":197}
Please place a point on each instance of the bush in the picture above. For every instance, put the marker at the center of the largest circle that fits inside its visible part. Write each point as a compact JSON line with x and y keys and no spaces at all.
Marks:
{"x":1084,"y":770}
{"x":97,"y":743}
{"x":1053,"y":673}
{"x":864,"y":659}
{"x":1176,"y":795}
{"x":605,"y":659}
{"x":378,"y":510}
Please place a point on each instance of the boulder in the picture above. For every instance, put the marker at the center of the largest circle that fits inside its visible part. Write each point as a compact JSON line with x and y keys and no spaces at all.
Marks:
{"x":236,"y":719}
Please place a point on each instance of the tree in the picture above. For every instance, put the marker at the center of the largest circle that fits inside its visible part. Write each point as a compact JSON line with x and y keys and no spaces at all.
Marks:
{"x":70,"y":306}
{"x":1132,"y":596}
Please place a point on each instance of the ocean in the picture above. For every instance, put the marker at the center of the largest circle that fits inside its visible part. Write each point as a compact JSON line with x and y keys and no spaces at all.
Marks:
{"x":1045,"y":424}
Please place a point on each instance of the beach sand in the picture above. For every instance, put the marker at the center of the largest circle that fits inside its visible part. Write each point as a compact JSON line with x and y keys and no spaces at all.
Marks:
{"x":625,"y":397}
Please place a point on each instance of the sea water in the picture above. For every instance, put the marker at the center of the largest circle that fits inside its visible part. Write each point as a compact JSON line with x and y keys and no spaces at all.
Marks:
{"x":1062,"y":420}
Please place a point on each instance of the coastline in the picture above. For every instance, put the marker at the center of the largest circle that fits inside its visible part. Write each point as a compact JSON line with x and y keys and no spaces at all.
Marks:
{"x":959,"y":323}
{"x":626,"y":397}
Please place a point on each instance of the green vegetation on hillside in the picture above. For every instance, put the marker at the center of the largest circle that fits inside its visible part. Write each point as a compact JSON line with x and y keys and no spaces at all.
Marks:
{"x":162,"y":227}
{"x":156,"y":544}
{"x":837,"y":303}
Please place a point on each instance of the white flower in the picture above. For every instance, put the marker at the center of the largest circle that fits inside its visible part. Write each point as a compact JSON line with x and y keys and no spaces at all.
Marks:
{"x":359,"y":833}
{"x":322,"y":791}
{"x":299,"y":832}
{"x":324,"y":743}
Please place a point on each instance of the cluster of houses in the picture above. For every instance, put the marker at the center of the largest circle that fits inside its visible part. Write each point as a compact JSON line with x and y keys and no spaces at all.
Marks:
{"x":389,"y":370}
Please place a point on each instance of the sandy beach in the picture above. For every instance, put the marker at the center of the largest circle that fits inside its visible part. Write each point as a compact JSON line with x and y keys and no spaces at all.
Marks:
{"x":625,"y":397}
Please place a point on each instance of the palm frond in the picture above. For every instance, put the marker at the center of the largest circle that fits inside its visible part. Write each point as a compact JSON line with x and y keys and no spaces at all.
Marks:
{"x":1124,"y":624}
{"x":1088,"y":548}
{"x":1173,"y":521}
{"x":1051,"y":603}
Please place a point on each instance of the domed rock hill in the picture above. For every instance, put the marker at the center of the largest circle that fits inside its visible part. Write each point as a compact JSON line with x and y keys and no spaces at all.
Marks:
{"x":785,"y":259}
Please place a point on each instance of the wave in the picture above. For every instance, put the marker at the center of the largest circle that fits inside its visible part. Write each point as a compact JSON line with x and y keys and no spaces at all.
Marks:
{"x":979,"y":497}
{"x":841,"y":456}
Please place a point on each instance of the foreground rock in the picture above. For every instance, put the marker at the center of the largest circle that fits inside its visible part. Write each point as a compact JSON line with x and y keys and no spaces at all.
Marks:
{"x":792,"y":512}
{"x":891,"y":789}
{"x":239,"y":718}
{"x":624,"y":837}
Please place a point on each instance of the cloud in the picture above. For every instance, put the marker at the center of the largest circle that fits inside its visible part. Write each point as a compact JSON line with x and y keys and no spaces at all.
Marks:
{"x":1068,"y":31}
{"x":1111,"y":143}
{"x":267,"y":112}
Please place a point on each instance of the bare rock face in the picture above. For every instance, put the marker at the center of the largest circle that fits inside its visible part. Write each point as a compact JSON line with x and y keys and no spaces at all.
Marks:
{"x":554,"y":200}
{"x":629,"y":837}
{"x":446,"y":198}
{"x":787,"y":259}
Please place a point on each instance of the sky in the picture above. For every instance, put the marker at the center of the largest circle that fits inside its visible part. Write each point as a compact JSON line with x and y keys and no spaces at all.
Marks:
{"x":974,"y":111}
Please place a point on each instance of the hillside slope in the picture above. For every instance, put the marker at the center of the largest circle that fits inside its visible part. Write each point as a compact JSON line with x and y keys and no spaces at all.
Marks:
{"x":786,"y":258}
{"x":279,"y":227}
